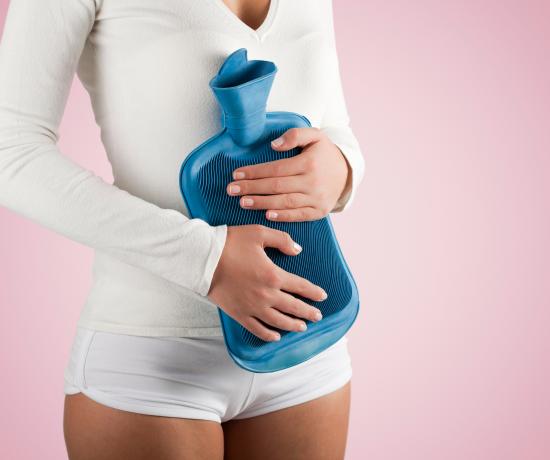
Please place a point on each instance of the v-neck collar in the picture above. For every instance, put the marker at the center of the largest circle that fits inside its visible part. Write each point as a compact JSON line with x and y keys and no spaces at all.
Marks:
{"x":264,"y":27}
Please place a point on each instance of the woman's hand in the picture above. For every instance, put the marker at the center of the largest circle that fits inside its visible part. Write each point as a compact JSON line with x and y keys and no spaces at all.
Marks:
{"x":249,"y":286}
{"x":304,"y":187}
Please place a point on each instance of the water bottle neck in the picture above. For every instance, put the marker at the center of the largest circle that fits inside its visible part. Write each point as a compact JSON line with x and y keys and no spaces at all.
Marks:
{"x":242,"y":88}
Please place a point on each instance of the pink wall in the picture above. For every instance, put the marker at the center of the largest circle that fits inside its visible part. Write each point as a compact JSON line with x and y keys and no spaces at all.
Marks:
{"x":448,"y":239}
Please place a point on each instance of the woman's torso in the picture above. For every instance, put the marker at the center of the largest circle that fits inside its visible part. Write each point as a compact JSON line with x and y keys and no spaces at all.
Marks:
{"x":146,"y":66}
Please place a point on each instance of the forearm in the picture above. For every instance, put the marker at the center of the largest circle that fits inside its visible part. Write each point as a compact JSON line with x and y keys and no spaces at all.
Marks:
{"x":40,"y":47}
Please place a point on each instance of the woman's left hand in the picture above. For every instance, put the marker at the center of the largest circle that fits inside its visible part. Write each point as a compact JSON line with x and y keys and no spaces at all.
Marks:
{"x":306,"y":186}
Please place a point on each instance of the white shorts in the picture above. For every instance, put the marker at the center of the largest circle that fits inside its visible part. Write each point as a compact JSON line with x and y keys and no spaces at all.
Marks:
{"x":193,"y":377}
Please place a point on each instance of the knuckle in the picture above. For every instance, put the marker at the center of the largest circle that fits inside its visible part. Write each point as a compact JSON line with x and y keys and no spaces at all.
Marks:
{"x":264,"y":333}
{"x":276,"y":169}
{"x":290,"y":216}
{"x":312,"y":314}
{"x":292,"y":134}
{"x":314,"y":289}
{"x":277,"y":322}
{"x":298,"y":215}
{"x":277,"y":185}
{"x":289,"y":201}
{"x":303,"y":310}
{"x":249,"y":326}
{"x":310,"y":290}
{"x":265,"y":315}
{"x":261,"y":333}
{"x":283,"y":237}
{"x":270,"y":336}
{"x":259,"y":229}
{"x":293,"y":308}
{"x":253,"y":328}
{"x":279,"y":234}
{"x":304,"y":285}
{"x":262,"y":296}
{"x":288,"y":238}
{"x":272,"y":277}
{"x":291,"y":325}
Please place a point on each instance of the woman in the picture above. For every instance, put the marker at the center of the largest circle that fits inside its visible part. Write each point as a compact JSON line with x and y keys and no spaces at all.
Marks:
{"x":149,"y":376}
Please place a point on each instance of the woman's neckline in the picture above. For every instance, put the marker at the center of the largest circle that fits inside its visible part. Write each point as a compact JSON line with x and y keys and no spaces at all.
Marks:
{"x":262,"y":29}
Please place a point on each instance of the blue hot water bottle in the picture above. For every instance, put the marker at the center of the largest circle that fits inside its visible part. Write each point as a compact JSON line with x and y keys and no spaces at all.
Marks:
{"x":242,"y":87}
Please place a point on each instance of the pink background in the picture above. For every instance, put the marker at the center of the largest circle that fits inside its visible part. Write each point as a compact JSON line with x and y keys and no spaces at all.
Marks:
{"x":447,"y":238}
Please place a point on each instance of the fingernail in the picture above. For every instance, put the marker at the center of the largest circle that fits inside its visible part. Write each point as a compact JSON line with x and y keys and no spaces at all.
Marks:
{"x":297,"y":247}
{"x":238,"y":175}
{"x":272,"y":215}
{"x":234,"y":189}
{"x":247,"y":201}
{"x":324,"y":295}
{"x":303,"y":326}
{"x":276,"y":337}
{"x":318,"y":316}
{"x":277,"y":142}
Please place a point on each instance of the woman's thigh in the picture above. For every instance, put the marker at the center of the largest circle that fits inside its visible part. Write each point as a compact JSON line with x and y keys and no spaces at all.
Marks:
{"x":316,"y":429}
{"x":97,"y":432}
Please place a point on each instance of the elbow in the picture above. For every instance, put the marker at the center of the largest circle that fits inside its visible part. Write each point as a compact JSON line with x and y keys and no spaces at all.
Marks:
{"x":20,"y":151}
{"x":21,"y":141}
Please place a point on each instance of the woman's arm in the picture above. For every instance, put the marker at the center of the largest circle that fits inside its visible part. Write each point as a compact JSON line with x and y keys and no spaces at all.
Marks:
{"x":336,"y":122}
{"x":41,"y":45}
{"x":325,"y":175}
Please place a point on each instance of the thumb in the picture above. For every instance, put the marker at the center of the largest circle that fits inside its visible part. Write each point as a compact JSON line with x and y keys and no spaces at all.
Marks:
{"x":274,"y":238}
{"x":296,"y":137}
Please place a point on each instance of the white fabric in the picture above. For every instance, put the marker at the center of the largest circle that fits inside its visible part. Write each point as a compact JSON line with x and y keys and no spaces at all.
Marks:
{"x":193,"y":377}
{"x":146,"y":66}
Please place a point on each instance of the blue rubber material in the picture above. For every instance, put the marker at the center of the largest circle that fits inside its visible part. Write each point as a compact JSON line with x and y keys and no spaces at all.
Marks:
{"x":242,"y":87}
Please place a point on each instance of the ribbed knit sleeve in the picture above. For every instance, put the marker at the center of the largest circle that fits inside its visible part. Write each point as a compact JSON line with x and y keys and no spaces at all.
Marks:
{"x":336,"y":121}
{"x":40,"y":49}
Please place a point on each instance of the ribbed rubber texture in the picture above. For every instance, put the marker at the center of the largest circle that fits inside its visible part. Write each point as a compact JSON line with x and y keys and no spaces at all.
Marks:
{"x":204,"y":178}
{"x":318,"y":262}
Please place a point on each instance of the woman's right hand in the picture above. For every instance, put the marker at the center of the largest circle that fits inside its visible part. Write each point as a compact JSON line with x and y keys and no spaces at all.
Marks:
{"x":249,"y":286}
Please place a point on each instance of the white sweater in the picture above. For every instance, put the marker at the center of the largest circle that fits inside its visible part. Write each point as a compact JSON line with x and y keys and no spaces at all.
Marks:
{"x":146,"y":65}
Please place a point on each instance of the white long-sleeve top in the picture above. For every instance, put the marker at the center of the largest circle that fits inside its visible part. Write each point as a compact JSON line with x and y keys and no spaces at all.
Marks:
{"x":146,"y":65}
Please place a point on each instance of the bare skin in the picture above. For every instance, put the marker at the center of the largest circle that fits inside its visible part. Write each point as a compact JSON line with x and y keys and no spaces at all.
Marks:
{"x":296,"y":189}
{"x":316,"y":430}
{"x":97,"y":432}
{"x":246,"y":284}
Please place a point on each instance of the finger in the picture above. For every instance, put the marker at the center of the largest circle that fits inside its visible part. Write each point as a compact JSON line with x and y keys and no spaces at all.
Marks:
{"x":294,"y":215}
{"x":283,"y":167}
{"x":287,"y":303}
{"x":298,"y":285}
{"x":274,"y":238}
{"x":296,"y":137}
{"x":282,"y":201}
{"x":260,"y":330}
{"x":268,"y":186}
{"x":275,"y":318}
